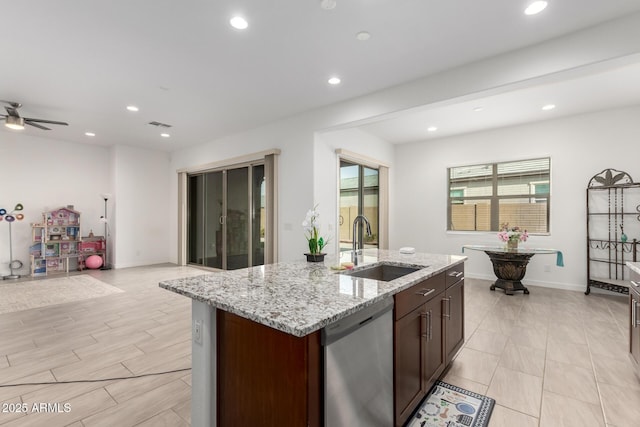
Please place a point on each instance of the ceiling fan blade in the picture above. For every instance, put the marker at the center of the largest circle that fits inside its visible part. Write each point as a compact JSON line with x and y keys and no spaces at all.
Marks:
{"x":27,"y":119}
{"x":14,"y":104}
{"x":35,"y":125}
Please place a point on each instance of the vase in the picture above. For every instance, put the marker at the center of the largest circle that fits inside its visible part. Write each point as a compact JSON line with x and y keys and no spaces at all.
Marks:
{"x":512,"y":244}
{"x":315,"y":257}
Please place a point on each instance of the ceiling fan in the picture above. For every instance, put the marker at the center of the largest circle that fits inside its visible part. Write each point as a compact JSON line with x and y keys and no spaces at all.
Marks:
{"x":14,"y":121}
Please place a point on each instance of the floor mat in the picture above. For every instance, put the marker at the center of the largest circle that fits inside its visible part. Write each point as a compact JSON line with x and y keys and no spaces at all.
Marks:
{"x":18,"y":296}
{"x":447,"y":405}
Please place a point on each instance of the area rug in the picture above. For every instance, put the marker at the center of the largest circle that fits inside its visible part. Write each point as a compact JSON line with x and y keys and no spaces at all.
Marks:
{"x":449,"y":406}
{"x":18,"y":296}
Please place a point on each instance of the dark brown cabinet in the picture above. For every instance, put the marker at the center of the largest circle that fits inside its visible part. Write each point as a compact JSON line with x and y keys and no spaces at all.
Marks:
{"x":418,"y":355}
{"x":634,"y":323}
{"x":266,"y":377}
{"x":409,"y":368}
{"x":428,"y":331}
{"x":434,"y":356}
{"x":453,"y":315}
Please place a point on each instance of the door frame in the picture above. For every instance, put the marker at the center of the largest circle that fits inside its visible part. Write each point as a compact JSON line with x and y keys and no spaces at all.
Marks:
{"x":270,"y":160}
{"x":383,"y":192}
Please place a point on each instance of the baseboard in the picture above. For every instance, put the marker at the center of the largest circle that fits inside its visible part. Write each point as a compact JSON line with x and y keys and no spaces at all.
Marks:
{"x":553,"y":285}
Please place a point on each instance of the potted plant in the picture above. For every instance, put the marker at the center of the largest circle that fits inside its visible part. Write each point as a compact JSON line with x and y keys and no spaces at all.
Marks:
{"x":512,"y":235}
{"x":316,"y":243}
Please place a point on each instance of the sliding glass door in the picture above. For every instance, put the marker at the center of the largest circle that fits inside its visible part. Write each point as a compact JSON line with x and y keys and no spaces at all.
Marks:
{"x":359,"y":195}
{"x":226,"y":218}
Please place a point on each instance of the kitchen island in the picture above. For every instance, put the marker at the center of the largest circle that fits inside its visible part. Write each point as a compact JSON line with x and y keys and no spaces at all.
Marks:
{"x":634,"y":307}
{"x":257,"y":351}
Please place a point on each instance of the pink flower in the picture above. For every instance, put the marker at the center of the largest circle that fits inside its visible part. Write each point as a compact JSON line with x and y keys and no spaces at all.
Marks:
{"x":512,"y":233}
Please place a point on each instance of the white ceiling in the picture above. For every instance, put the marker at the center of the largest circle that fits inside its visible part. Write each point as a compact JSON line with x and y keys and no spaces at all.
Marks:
{"x":182,"y":64}
{"x":596,"y":91}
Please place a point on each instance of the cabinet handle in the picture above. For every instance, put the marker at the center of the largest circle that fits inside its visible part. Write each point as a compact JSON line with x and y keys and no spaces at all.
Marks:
{"x":424,"y":333}
{"x":634,"y":314}
{"x":425,"y":292}
{"x":430,"y":327}
{"x":635,"y":284}
{"x":456,"y":274}
{"x":445,"y":312}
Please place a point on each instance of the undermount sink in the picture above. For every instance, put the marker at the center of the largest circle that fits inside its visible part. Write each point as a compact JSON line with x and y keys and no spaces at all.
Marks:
{"x":383,"y":272}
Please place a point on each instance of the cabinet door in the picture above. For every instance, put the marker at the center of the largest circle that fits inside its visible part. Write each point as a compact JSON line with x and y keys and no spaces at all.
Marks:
{"x":266,"y":377}
{"x":453,"y":313}
{"x":409,"y":350}
{"x":434,"y":352}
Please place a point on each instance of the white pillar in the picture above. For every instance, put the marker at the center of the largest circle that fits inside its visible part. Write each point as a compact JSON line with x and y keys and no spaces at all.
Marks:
{"x":203,"y":365}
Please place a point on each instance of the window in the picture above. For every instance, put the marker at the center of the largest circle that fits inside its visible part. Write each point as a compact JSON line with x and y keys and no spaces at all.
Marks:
{"x":482,"y":197}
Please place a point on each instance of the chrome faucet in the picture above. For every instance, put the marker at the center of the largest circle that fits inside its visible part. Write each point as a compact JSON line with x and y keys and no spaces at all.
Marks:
{"x":354,"y":252}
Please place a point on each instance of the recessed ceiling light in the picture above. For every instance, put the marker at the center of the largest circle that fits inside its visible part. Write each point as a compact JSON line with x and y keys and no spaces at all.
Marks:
{"x":90,"y":134}
{"x":535,"y":7}
{"x":477,"y":109}
{"x":328,"y":4}
{"x":363,"y":35}
{"x":165,"y":135}
{"x":239,"y":23}
{"x":334,"y":80}
{"x":132,"y":108}
{"x":548,"y":107}
{"x":432,"y":128}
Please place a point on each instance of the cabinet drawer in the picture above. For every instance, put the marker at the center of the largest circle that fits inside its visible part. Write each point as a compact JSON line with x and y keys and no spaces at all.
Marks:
{"x":418,"y":294}
{"x":454,"y":274}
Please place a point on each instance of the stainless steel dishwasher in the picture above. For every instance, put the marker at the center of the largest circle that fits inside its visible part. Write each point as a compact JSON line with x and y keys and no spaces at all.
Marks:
{"x":358,"y":368}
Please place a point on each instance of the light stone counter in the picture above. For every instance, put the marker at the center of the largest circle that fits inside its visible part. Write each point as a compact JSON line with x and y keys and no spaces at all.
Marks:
{"x":300,"y":297}
{"x":634,"y":266}
{"x":297,"y":298}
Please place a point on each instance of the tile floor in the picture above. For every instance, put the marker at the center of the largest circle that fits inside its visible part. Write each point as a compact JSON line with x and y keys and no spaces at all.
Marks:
{"x":551,"y":358}
{"x":144,"y":329}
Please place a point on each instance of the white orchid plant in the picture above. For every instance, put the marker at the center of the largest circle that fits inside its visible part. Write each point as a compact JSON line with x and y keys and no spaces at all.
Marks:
{"x":311,"y":226}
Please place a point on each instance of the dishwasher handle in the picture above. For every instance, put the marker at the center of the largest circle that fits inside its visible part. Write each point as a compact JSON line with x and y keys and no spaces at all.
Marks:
{"x":340,"y":328}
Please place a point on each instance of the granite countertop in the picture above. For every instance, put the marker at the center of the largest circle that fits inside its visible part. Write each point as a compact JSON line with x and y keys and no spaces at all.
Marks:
{"x":634,"y":266}
{"x":300,"y":297}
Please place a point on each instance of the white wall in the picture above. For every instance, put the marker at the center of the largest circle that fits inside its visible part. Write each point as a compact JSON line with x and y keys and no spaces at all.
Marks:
{"x":327,"y":171}
{"x":141,"y":206}
{"x":44,"y":174}
{"x":580,"y":147}
{"x":295,"y":176}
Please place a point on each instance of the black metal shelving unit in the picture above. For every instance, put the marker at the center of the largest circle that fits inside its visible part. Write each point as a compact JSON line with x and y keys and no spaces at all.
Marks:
{"x":613,"y":228}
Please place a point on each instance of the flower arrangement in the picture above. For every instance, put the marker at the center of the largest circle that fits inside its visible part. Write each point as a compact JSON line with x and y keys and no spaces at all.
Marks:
{"x":512,"y":235}
{"x":311,"y":225}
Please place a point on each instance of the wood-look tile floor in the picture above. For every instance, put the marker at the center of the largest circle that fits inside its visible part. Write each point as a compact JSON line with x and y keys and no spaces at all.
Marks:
{"x":143,"y":330}
{"x":551,"y":358}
